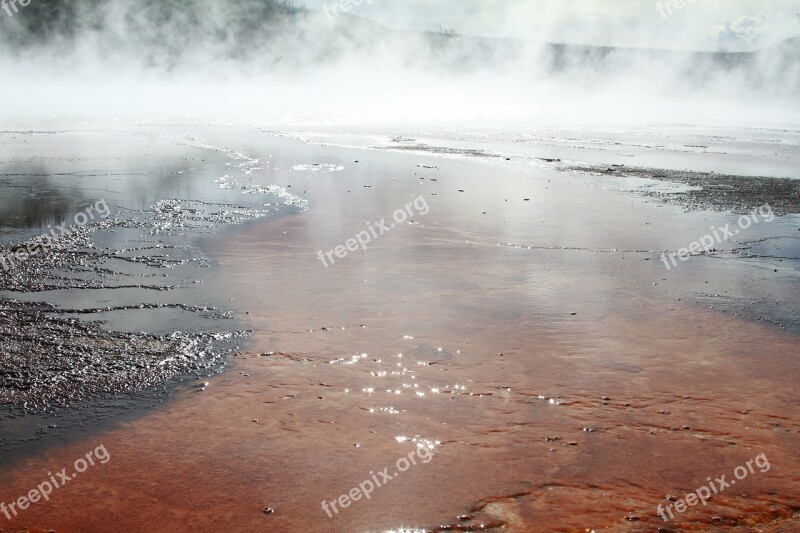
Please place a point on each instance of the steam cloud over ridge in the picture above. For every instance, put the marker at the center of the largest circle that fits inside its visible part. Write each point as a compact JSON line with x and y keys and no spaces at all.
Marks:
{"x":263,"y":60}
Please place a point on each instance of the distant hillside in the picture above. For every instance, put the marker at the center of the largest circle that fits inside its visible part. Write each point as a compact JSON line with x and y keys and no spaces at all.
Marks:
{"x":48,"y":20}
{"x":259,"y":34}
{"x":156,"y":31}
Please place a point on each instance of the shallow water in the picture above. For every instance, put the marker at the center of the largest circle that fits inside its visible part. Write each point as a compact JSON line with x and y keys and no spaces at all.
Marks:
{"x":130,"y":300}
{"x":562,"y":377}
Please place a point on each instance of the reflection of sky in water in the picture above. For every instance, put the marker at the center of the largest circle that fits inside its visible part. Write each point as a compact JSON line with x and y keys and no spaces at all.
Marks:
{"x":66,"y":173}
{"x":166,"y":189}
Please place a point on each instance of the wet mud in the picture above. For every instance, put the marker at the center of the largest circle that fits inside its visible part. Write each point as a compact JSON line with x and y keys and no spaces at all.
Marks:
{"x":710,"y":191}
{"x":50,"y":362}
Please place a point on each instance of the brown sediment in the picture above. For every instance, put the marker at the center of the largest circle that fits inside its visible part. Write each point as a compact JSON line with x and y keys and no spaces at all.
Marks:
{"x":563,"y":391}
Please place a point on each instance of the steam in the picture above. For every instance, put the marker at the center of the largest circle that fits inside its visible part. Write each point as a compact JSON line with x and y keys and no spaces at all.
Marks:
{"x":272,"y":63}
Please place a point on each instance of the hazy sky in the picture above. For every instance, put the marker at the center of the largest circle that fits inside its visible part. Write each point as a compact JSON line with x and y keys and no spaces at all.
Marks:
{"x":700,"y":24}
